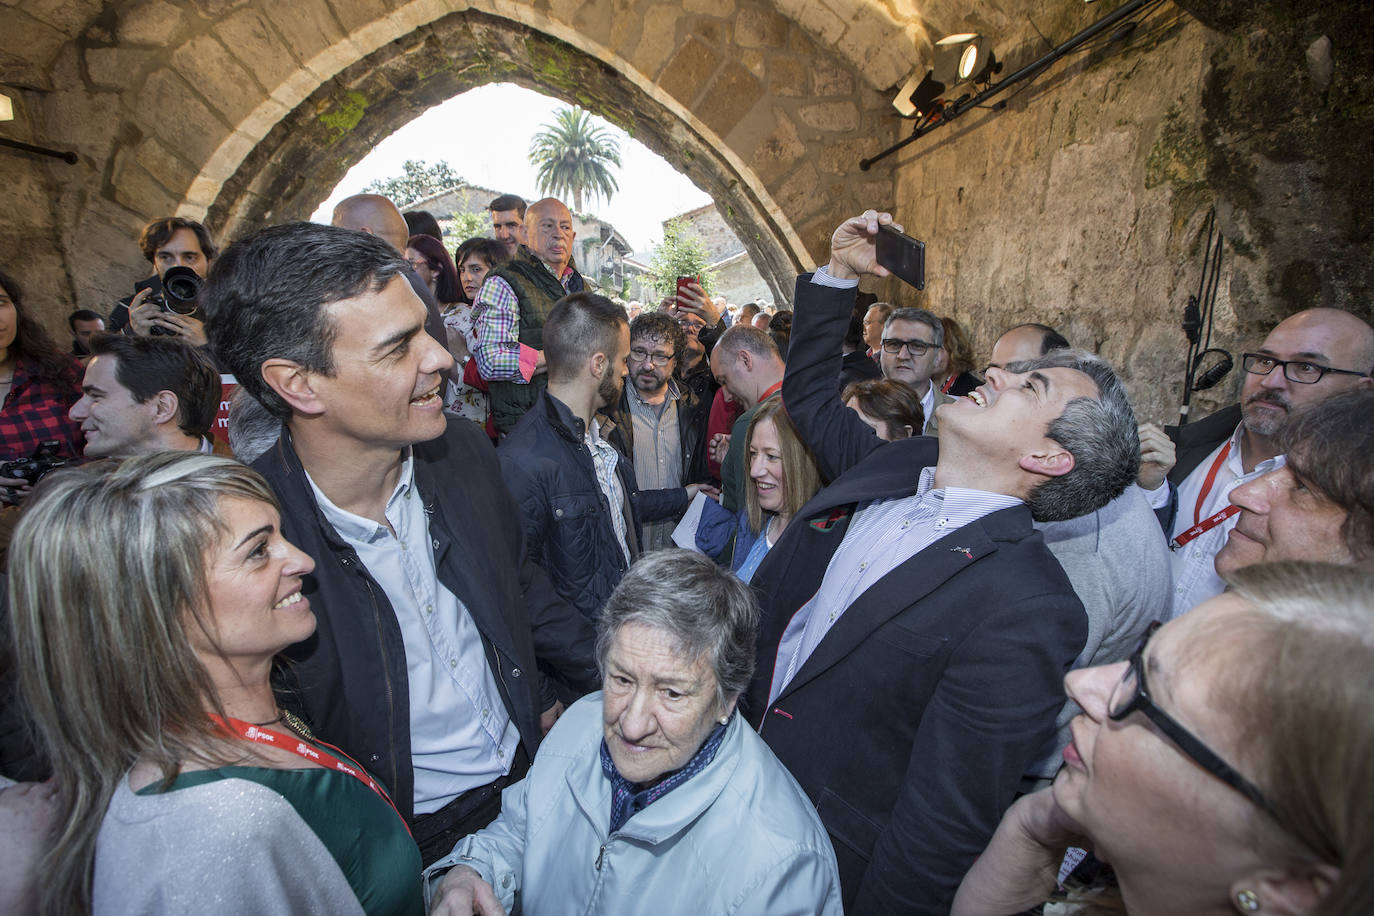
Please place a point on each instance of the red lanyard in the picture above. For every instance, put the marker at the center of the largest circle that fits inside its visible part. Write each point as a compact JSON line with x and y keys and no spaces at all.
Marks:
{"x":949,"y":383}
{"x":763,"y":397}
{"x":1202,"y":526}
{"x":294,"y":744}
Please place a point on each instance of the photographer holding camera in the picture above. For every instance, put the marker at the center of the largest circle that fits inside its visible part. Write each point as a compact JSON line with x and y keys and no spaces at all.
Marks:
{"x":180,"y":250}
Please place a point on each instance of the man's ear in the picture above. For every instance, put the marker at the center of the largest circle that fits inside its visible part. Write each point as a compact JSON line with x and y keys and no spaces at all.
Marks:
{"x":597,"y":365}
{"x":293,"y":384}
{"x":165,"y":405}
{"x":745,"y":360}
{"x":1287,"y":892}
{"x":942,"y":361}
{"x":1051,"y":461}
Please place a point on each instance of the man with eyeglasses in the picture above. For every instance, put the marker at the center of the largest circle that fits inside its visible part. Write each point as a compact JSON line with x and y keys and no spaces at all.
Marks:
{"x":660,"y":423}
{"x":1307,"y":358}
{"x":911,"y":344}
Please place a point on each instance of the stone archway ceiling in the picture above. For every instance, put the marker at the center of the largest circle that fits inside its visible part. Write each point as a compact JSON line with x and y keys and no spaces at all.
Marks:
{"x":767,"y":104}
{"x":309,"y":150}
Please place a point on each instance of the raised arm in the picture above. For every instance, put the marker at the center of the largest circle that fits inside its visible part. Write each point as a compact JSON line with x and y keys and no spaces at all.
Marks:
{"x":811,"y":385}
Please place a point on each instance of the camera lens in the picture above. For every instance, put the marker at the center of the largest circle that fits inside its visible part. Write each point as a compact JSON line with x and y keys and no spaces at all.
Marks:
{"x":181,"y":287}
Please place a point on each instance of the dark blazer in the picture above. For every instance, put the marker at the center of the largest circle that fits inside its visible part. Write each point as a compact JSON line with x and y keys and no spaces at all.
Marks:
{"x":912,"y":723}
{"x":858,"y":366}
{"x":349,"y":679}
{"x":1198,"y":439}
{"x":1192,"y":443}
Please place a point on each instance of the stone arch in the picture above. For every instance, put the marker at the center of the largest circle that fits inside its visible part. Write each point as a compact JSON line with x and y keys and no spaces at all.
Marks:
{"x":307,"y":151}
{"x":245,"y":110}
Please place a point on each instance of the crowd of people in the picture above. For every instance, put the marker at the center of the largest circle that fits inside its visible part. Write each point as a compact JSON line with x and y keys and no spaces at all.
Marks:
{"x":499,"y":596}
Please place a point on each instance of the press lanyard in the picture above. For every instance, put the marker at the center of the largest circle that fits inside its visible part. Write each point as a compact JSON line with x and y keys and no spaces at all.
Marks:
{"x":1202,"y":526}
{"x":294,"y":744}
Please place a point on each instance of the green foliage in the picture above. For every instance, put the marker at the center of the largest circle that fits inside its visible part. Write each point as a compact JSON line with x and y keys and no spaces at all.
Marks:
{"x":463,"y":226}
{"x":419,"y":181}
{"x":574,"y":158}
{"x":680,"y":254}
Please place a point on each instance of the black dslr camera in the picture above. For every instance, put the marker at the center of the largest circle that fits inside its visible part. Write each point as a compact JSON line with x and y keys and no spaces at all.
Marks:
{"x":43,"y":460}
{"x":180,"y":290}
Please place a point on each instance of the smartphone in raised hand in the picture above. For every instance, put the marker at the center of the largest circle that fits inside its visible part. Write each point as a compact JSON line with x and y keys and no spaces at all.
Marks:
{"x":902,"y":255}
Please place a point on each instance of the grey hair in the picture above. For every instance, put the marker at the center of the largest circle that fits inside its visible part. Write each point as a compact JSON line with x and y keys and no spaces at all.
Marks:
{"x":1100,"y":433}
{"x":931,"y":320}
{"x":252,"y":428}
{"x":705,"y":609}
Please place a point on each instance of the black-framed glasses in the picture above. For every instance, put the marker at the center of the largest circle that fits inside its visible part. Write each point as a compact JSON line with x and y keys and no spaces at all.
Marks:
{"x":1295,"y":370}
{"x":1133,"y":695}
{"x":894,"y":346}
{"x":639,"y":355}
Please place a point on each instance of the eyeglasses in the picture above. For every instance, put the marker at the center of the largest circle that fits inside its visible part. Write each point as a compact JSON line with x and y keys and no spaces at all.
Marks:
{"x":914,"y":347}
{"x":1133,"y":695}
{"x":418,"y":263}
{"x":639,"y":355}
{"x":689,"y":326}
{"x":1294,"y":370}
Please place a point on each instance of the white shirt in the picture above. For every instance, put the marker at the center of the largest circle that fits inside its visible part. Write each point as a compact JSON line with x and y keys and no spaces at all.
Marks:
{"x":883,"y":535}
{"x":461,"y":735}
{"x":927,"y":406}
{"x":1195,"y":573}
{"x":604,"y":458}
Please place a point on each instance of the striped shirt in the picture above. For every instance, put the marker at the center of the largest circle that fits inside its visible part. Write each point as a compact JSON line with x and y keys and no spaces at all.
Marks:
{"x":883,"y":535}
{"x":496,"y":325}
{"x":604,"y":458}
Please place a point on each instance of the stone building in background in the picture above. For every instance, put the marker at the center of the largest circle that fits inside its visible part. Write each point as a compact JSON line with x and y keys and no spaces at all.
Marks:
{"x":737,"y":279}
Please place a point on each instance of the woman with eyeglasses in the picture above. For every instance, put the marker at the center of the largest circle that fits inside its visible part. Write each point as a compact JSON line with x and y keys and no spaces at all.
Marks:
{"x":1225,"y":768}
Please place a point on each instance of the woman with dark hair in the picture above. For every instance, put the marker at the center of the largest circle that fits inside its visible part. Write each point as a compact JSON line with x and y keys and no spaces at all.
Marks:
{"x":475,"y":258}
{"x":891,"y":408}
{"x":38,"y":385}
{"x":1224,"y":768}
{"x":145,"y":665}
{"x":429,"y":258}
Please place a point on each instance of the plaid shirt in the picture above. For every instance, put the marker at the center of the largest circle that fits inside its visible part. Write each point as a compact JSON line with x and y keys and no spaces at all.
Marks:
{"x":496,"y":325}
{"x":625,"y":801}
{"x":36,"y":410}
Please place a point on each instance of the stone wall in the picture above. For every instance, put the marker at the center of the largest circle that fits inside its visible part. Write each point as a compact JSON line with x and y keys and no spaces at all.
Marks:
{"x":737,"y":278}
{"x":707,"y":225}
{"x":1082,"y":206}
{"x":1080,"y":203}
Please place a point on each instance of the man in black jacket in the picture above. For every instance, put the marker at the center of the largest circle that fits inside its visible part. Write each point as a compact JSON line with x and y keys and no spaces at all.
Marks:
{"x":660,"y":422}
{"x":431,"y":621}
{"x":916,"y":629}
{"x":580,"y":502}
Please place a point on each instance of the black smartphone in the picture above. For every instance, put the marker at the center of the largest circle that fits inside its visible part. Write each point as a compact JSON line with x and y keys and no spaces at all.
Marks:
{"x":904,"y":256}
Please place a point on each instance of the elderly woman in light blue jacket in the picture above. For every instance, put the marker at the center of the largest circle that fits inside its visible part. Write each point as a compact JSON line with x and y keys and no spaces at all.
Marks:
{"x":653,"y":796}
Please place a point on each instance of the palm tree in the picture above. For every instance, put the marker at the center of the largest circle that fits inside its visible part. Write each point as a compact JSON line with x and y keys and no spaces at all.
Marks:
{"x":574,"y":156}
